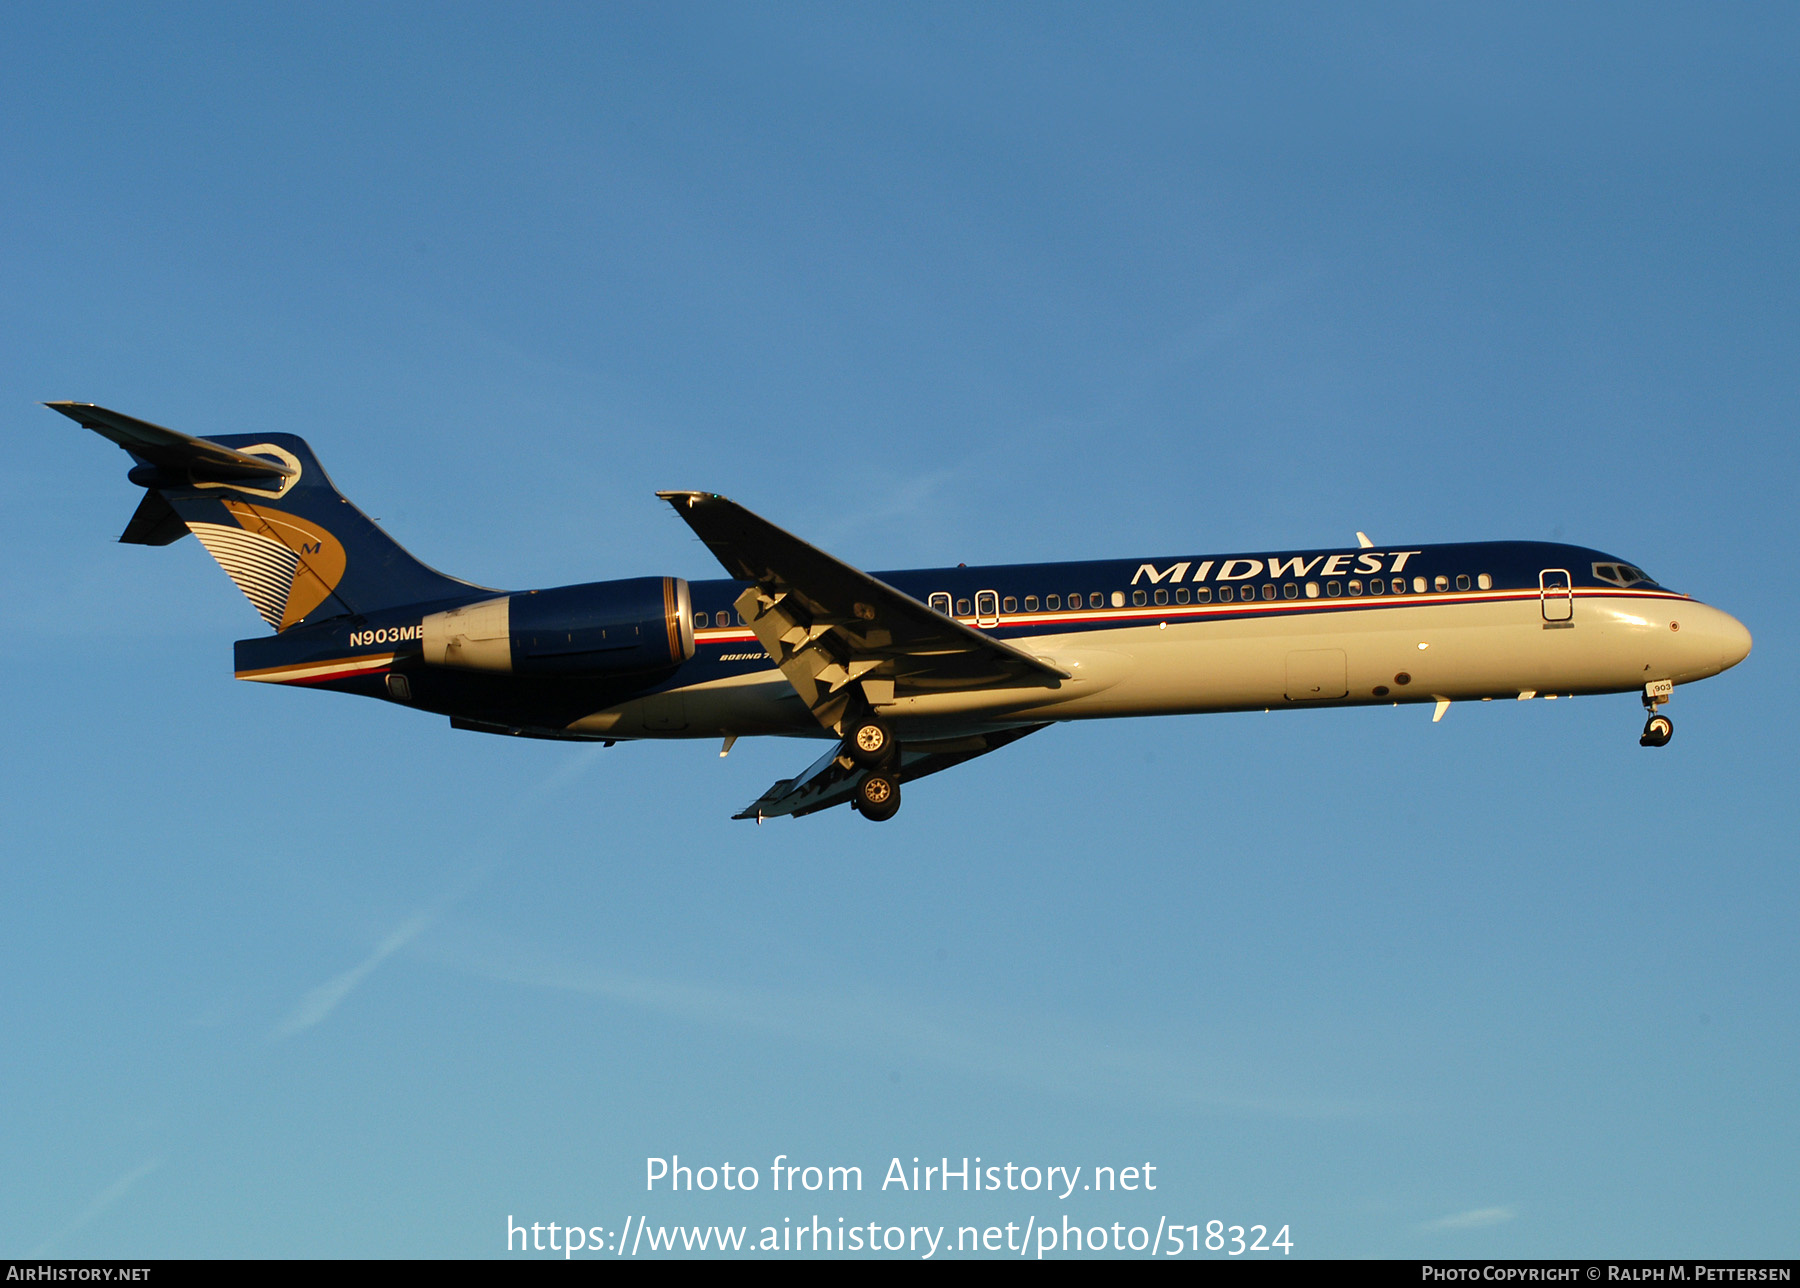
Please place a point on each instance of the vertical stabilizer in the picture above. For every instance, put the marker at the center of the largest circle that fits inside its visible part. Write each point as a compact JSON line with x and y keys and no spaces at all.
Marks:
{"x":265,"y":509}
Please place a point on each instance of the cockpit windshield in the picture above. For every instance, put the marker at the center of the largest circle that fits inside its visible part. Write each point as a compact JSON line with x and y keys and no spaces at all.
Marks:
{"x":1622,"y":574}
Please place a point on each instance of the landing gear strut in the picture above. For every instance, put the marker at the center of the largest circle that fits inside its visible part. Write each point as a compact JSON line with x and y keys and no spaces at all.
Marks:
{"x":1658,"y":729}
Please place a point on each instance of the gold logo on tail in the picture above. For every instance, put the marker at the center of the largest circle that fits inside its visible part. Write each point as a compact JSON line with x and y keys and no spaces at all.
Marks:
{"x":284,"y":565}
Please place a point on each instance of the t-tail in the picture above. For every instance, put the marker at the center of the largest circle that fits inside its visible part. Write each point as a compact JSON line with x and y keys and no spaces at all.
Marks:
{"x":265,"y":509}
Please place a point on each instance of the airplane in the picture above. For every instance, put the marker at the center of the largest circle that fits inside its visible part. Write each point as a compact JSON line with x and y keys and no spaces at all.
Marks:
{"x":908,"y":673}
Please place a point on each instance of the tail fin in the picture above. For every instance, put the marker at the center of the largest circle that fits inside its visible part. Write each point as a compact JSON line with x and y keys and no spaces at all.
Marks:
{"x":264,"y":508}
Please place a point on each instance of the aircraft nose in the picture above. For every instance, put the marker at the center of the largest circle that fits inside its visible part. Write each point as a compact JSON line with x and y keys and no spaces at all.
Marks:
{"x":1716,"y":638}
{"x":1734,"y":641}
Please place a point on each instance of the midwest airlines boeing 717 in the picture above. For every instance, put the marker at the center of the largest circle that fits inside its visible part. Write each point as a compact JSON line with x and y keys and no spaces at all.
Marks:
{"x":904,"y":673}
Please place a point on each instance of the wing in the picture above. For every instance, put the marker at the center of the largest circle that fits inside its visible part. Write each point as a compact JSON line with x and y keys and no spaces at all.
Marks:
{"x":831,"y":779}
{"x":830,"y":626}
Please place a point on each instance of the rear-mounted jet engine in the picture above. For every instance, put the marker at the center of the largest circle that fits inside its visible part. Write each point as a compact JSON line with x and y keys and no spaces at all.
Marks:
{"x":598,"y":628}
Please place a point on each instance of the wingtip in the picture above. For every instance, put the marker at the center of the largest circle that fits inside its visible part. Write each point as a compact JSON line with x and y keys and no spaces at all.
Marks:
{"x":676,"y":498}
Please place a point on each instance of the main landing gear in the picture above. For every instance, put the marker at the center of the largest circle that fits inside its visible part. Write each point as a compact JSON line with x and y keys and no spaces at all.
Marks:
{"x":878,"y":797}
{"x":1658,"y":729}
{"x":871,"y":745}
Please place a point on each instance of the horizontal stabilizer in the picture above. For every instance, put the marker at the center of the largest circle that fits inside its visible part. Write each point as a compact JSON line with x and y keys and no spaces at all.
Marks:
{"x":169,"y":448}
{"x":154,"y":523}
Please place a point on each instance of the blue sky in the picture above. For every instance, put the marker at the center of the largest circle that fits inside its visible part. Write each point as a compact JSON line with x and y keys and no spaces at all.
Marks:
{"x":290,"y":974}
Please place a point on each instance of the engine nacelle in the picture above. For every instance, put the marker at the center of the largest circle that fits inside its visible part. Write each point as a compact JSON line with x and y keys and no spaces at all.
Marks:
{"x":600,"y":628}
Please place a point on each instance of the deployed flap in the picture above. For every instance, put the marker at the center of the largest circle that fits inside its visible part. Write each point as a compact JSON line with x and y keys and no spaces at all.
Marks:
{"x":831,"y":779}
{"x":169,"y":448}
{"x":829,"y":626}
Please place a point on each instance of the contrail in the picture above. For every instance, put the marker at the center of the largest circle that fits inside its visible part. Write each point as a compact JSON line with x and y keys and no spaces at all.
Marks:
{"x":321,"y":1001}
{"x":103,"y":1200}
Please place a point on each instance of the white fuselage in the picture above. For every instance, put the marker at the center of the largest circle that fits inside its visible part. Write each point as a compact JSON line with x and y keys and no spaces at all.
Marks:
{"x":1201,"y":658}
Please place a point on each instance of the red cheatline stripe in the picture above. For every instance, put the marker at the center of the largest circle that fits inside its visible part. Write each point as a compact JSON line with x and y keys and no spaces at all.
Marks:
{"x":317,"y":672}
{"x":1257,"y":607}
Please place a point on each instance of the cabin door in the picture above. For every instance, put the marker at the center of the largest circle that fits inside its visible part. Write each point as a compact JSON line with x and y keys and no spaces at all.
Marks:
{"x":1557,"y":595}
{"x":1316,"y":675}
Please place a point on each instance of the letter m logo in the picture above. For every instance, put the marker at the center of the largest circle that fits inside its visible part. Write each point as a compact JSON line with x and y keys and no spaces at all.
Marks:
{"x":1174,"y":572}
{"x":309,"y":547}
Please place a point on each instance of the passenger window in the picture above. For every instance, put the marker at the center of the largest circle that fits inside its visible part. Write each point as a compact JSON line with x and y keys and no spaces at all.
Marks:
{"x":1161,"y":597}
{"x":1031,"y":603}
{"x":1485,"y":582}
{"x":1334,"y":588}
{"x":963,"y":608}
{"x":1462,"y":581}
{"x":940,"y":602}
{"x":1399,"y":585}
{"x":1053,"y":602}
{"x":1440,"y":582}
{"x":1374,"y":585}
{"x":1181,"y":596}
{"x":1137,"y":597}
{"x":1203,"y":595}
{"x":1269,"y":590}
{"x":1290,"y":591}
{"x":699,"y":620}
{"x":1096,"y":599}
{"x":1355,"y":586}
{"x":1312,"y":590}
{"x":1225,"y":594}
{"x":1118,"y":599}
{"x":1418,"y":585}
{"x":1009,"y":605}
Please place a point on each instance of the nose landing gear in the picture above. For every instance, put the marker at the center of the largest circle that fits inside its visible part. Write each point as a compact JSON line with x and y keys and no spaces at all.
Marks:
{"x":1658,"y":729}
